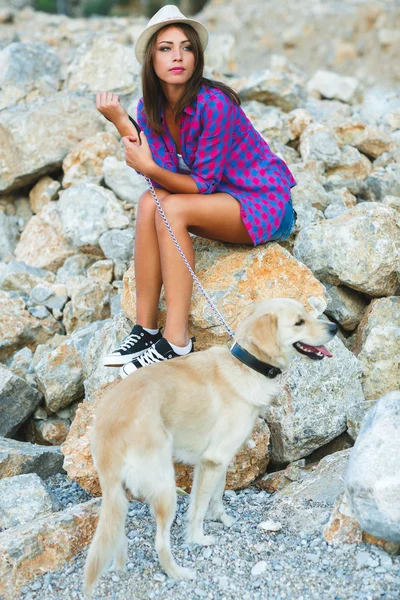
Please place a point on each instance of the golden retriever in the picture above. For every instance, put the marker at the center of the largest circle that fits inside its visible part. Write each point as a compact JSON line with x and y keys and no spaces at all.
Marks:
{"x":198,"y":409}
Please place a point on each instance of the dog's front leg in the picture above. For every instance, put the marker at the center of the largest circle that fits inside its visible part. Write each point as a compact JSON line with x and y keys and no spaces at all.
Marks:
{"x":216,"y":510}
{"x":207,"y":475}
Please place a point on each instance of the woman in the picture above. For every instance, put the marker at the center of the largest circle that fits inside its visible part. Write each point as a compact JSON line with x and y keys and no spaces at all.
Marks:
{"x":213,"y":173}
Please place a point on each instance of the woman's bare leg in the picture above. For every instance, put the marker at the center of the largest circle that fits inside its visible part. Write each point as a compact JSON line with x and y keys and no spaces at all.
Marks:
{"x":147,"y":262}
{"x":214,"y":216}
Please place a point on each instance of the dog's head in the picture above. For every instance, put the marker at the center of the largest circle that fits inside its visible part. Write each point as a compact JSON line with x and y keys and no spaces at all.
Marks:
{"x":274,"y":330}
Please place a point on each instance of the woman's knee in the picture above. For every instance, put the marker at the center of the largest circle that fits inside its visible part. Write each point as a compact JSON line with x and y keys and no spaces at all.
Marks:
{"x":174,"y":209}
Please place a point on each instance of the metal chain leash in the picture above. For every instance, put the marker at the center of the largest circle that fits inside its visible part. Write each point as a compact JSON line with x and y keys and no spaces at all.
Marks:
{"x":195,"y":279}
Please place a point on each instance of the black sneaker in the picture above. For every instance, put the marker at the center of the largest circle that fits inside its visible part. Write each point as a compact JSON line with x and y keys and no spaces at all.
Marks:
{"x":137,"y":342}
{"x":160,"y":351}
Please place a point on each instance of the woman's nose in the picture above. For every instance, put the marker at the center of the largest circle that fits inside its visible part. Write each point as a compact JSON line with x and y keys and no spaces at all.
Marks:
{"x":177,"y":54}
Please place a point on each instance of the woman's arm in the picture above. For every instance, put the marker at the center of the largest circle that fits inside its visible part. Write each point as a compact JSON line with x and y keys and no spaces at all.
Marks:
{"x":109,"y":105}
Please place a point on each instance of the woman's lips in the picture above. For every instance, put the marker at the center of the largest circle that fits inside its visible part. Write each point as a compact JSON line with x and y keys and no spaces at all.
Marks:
{"x":177,"y":70}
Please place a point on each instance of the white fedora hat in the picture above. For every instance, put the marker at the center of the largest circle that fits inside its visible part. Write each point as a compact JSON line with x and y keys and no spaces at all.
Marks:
{"x":168,"y":14}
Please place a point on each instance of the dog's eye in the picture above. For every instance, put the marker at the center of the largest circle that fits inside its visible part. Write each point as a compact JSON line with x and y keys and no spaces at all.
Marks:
{"x":300,"y":322}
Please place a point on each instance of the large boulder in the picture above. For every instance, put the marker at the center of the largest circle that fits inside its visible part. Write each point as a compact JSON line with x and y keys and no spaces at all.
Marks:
{"x":64,"y":118}
{"x":90,"y":301}
{"x":24,"y":499}
{"x":28,"y":551}
{"x":235,"y":276}
{"x":21,"y":277}
{"x":17,"y":458}
{"x":359,"y":249}
{"x":312,"y":408}
{"x":84,"y":164}
{"x":328,"y":84}
{"x":18,"y":400}
{"x":377,"y":347}
{"x":123,"y":180}
{"x":277,"y":87}
{"x":373,"y":476}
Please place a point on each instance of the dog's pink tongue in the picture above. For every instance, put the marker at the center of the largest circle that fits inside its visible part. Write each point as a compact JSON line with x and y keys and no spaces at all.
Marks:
{"x":324,"y":351}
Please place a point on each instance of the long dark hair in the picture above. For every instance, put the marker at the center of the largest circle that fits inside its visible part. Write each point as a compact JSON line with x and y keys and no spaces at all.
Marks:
{"x":153,"y":92}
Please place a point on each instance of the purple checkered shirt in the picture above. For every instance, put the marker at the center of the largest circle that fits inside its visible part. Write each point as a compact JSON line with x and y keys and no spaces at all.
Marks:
{"x":226,"y":154}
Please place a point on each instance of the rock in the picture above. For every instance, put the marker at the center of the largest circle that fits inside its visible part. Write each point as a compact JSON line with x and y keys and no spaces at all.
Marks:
{"x":340,"y":198}
{"x":312,"y":406}
{"x":333,"y":86}
{"x":377,"y":347}
{"x":28,"y":551}
{"x":24,"y":499}
{"x":21,"y":362}
{"x":368,"y":139}
{"x":27,"y":68}
{"x":372,"y":479}
{"x":277,"y":88}
{"x":18,"y":328}
{"x":49,"y":432}
{"x":117,"y":244}
{"x":327,"y":111}
{"x":103,"y":342}
{"x":298,"y":119}
{"x":277,"y":480}
{"x":233,"y":277}
{"x":383,"y":182}
{"x":25,"y":152}
{"x":88,"y":210}
{"x":309,"y":192}
{"x":351,"y":171}
{"x":73,"y":267}
{"x":342,"y":527}
{"x":45,"y":190}
{"x":17,"y":401}
{"x":84,"y":164}
{"x":259,"y":568}
{"x":322,"y":484}
{"x":8,"y":236}
{"x":59,"y":372}
{"x":345,"y":306}
{"x":358,"y":249}
{"x":123,"y":180}
{"x":270,"y":525}
{"x":317,"y":142}
{"x":101,"y":270}
{"x":17,"y":458}
{"x":90,"y":301}
{"x":270,"y":121}
{"x":221,"y":52}
{"x":21,"y":277}
{"x":53,"y":296}
{"x":43,"y":244}
{"x":104,"y":64}
{"x":392,"y":202}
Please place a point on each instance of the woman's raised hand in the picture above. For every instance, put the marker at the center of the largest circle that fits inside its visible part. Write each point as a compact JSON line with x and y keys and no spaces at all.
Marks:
{"x":109,"y":105}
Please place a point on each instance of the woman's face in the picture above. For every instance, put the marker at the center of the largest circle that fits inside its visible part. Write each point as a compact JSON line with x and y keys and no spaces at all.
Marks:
{"x":173,"y":58}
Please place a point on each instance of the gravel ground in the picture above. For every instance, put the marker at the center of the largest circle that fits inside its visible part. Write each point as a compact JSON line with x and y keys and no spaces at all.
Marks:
{"x":246,"y":563}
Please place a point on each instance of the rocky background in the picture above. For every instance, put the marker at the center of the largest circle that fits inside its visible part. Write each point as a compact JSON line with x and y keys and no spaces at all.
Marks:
{"x":320,"y":81}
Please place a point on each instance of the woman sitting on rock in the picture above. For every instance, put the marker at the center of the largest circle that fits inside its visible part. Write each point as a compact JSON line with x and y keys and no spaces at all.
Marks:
{"x":213,"y":172}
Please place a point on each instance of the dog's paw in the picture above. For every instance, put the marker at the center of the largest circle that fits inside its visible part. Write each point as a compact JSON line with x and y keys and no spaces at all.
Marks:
{"x":181,"y":573}
{"x":227,"y":521}
{"x":203,"y":540}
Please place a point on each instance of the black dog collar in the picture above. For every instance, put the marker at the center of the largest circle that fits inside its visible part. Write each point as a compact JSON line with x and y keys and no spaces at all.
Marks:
{"x":253,"y":362}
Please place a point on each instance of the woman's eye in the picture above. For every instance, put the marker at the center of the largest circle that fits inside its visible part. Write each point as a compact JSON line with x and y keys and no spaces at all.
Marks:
{"x":188,"y":48}
{"x":164,"y":48}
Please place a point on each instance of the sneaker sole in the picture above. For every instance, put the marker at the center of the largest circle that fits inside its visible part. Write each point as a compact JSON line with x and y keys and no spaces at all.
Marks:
{"x":122,"y":373}
{"x":120,"y":361}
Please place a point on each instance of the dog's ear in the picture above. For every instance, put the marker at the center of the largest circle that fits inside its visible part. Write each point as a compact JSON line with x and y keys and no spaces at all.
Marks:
{"x":264,"y":337}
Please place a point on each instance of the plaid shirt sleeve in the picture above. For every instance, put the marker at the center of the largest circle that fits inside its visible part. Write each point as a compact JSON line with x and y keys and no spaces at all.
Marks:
{"x":214,"y":143}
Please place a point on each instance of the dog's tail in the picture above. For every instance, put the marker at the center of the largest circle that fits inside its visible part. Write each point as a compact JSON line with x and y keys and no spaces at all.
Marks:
{"x":109,"y":540}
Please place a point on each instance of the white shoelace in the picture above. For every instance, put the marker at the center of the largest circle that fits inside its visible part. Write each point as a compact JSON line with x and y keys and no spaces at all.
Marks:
{"x":130,"y":341}
{"x":150,"y":357}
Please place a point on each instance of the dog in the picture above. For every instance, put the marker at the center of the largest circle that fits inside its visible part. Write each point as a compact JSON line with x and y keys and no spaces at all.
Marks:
{"x":198,"y":409}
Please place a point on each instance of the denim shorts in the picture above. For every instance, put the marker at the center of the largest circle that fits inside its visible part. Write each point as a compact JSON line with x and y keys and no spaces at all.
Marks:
{"x":286,"y":227}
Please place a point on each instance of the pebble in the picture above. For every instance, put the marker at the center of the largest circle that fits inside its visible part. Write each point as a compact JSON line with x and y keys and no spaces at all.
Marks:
{"x":364,"y":559}
{"x":259,"y":568}
{"x":36,"y":586}
{"x":270,"y":525}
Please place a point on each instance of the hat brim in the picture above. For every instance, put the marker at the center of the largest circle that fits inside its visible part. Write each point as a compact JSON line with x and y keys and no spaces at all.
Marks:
{"x":144,"y":37}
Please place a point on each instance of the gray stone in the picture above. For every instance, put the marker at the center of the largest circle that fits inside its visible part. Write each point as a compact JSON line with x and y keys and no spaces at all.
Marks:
{"x":351,"y":171}
{"x":65,"y":118}
{"x":309,"y":191}
{"x":327,"y":111}
{"x":19,"y":276}
{"x":52,"y":296}
{"x":312,"y":406}
{"x":87,"y":211}
{"x":23,"y":499}
{"x":359,"y":249}
{"x":278,"y":88}
{"x":25,"y":67}
{"x":345,"y":306}
{"x":123,"y":180}
{"x":333,"y":86}
{"x":317,"y":142}
{"x":383,"y":182}
{"x":324,"y":483}
{"x":103,"y":342}
{"x":17,"y":458}
{"x":90,"y":301}
{"x":373,"y":476}
{"x":118,"y":243}
{"x":74,"y":266}
{"x":21,"y":362}
{"x":18,"y":400}
{"x":8,"y":235}
{"x":270,"y":121}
